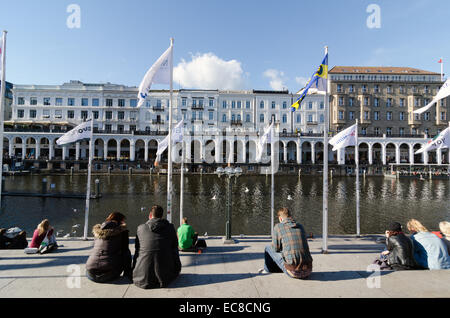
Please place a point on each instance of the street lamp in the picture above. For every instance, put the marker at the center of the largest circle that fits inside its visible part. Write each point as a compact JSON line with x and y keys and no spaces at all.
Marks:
{"x":229,"y":172}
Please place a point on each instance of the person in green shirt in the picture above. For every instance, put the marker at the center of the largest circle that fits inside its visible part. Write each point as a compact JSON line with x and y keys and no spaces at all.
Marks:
{"x":188,"y":238}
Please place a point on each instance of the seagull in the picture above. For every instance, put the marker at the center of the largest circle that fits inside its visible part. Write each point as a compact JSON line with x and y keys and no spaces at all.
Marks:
{"x":214,"y":197}
{"x":75,"y":210}
{"x":67,"y":235}
{"x":206,"y":234}
{"x":59,"y":233}
{"x":289,"y":197}
{"x":76,"y":225}
{"x":246,"y":190}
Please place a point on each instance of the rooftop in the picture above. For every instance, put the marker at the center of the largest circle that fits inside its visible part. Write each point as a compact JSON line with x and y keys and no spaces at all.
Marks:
{"x":380,"y":70}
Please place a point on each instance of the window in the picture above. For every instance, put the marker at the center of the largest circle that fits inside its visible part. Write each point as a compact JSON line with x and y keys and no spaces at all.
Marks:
{"x":389,"y":102}
{"x":321,"y":104}
{"x":211,"y":115}
{"x":376,"y":102}
{"x":322,"y":118}
{"x":84,"y":102}
{"x":121,"y":102}
{"x":247,"y":118}
{"x":389,"y":89}
{"x":401,"y":131}
{"x":95,"y":102}
{"x":108,"y":115}
{"x":401,"y":116}
{"x":95,"y":113}
{"x":310,"y":105}
{"x":366,"y":101}
{"x":33,"y":101}
{"x":247,"y":104}
{"x":261,"y":104}
{"x":71,"y":101}
{"x":426,"y":116}
{"x":224,"y":118}
{"x":273,"y":105}
{"x":284,"y":105}
{"x":200,"y":102}
{"x":233,"y":104}
{"x":376,"y":115}
{"x":310,"y":118}
{"x":239,"y":117}
{"x":402,"y":90}
{"x":389,"y":116}
{"x":416,"y":102}
{"x":121,"y":115}
{"x":70,"y":114}
{"x":58,"y":101}
{"x":84,"y":114}
{"x":376,"y":131}
{"x":351,"y":115}
{"x":224,"y":104}
{"x":183,"y":102}
{"x":376,"y":89}
{"x":350,"y":102}
{"x":261,"y":118}
{"x":284,"y":118}
{"x":341,"y":101}
{"x":132,"y":127}
{"x":388,"y":131}
{"x":363,"y":131}
{"x":339,"y":88}
{"x":20,"y":101}
{"x":133,"y":102}
{"x":133,"y":116}
{"x":46,"y":101}
{"x":200,"y":115}
{"x":109,"y":102}
{"x":108,"y":127}
{"x":414,"y":131}
{"x":211,"y":102}
{"x":341,"y":114}
{"x":351,"y":88}
{"x":402,"y":102}
{"x":32,"y":113}
{"x":194,"y":102}
{"x":299,"y":118}
{"x":364,"y":88}
{"x":239,"y":104}
{"x":366,"y":115}
{"x":443,"y":117}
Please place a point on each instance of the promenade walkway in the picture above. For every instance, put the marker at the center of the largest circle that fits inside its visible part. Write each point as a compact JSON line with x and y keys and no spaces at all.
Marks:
{"x":224,"y":271}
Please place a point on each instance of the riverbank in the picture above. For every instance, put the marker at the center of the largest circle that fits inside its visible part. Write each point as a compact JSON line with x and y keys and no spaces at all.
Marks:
{"x":224,"y":271}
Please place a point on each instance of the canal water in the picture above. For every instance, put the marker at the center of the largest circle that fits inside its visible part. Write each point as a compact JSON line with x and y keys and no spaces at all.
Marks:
{"x":381,"y":201}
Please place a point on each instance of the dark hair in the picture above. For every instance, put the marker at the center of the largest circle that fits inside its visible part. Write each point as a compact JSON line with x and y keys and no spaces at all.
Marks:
{"x":185,"y":220}
{"x":115,"y":216}
{"x":157,"y":211}
{"x":284,"y":213}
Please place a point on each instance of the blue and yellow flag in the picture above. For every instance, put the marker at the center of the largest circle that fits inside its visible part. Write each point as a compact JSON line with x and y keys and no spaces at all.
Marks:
{"x":318,"y":80}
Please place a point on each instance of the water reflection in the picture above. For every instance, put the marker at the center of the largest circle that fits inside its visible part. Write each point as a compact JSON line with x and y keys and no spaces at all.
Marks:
{"x":205,"y":200}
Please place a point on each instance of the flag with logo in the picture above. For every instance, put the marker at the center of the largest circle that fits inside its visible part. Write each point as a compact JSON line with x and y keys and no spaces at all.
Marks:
{"x":177,"y":136}
{"x":345,"y":138}
{"x":264,"y":139}
{"x":80,"y":132}
{"x":444,"y":92}
{"x":440,"y":141}
{"x":318,"y":81}
{"x":159,"y":73}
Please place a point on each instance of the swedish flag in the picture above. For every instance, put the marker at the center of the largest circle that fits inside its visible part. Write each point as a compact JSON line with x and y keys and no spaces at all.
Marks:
{"x":318,"y":80}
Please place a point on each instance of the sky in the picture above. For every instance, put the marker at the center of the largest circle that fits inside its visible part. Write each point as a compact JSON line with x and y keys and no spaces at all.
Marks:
{"x":232,"y":44}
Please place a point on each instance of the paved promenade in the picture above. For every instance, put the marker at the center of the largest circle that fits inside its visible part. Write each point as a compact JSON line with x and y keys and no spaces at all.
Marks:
{"x":224,"y":271}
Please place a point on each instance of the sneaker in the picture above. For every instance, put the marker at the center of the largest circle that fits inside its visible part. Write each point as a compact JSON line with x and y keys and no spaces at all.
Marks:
{"x":262,"y":271}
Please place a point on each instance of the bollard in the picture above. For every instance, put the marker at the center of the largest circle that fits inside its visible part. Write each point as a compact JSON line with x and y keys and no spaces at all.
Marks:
{"x":71,"y":171}
{"x":3,"y":184}
{"x":130,"y":171}
{"x":44,"y":186}
{"x":109,"y":170}
{"x":299,"y":172}
{"x":97,"y":188}
{"x":331,"y":174}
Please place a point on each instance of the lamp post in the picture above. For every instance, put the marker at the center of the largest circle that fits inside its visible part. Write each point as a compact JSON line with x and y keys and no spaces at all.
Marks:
{"x":229,"y":172}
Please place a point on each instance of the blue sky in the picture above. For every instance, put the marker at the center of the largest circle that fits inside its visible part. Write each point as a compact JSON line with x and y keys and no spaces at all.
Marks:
{"x":254,"y":44}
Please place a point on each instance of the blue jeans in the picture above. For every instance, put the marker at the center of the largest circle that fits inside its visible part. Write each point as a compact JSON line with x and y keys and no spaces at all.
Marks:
{"x":273,"y":261}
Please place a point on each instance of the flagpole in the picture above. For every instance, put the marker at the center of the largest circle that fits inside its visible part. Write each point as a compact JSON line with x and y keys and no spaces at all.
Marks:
{"x":2,"y":107}
{"x":358,"y":230}
{"x":442,"y":69}
{"x":88,"y":188}
{"x":169,"y":172}
{"x":182,"y":182}
{"x":325,"y":172}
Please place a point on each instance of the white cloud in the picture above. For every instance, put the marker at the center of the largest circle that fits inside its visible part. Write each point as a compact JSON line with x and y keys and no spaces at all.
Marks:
{"x":276,"y":79}
{"x":301,"y":81}
{"x":207,"y":71}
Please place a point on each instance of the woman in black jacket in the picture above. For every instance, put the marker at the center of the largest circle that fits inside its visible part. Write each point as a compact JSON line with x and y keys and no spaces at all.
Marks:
{"x":111,"y":254}
{"x":400,"y":250}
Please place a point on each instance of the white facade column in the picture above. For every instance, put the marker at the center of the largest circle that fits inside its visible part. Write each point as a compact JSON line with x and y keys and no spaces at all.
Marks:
{"x":243,"y":151}
{"x":299,"y":152}
{"x":132,"y":150}
{"x":64,"y":152}
{"x":37,"y":152}
{"x":105,"y":150}
{"x":77,"y":151}
{"x":383,"y":153}
{"x":118,"y":150}
{"x":439,"y":156}
{"x":187,"y":150}
{"x":217,"y":150}
{"x":313,"y":152}
{"x":24,"y":149}
{"x":230,"y":142}
{"x":341,"y":156}
{"x":285,"y":152}
{"x":411,"y":154}
{"x":397,"y":154}
{"x":425,"y":157}
{"x":50,"y":150}
{"x":370,"y":154}
{"x":146,"y":150}
{"x":11,"y":147}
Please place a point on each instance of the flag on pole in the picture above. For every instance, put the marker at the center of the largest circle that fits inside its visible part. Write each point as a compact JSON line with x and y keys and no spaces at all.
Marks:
{"x":177,"y":136}
{"x":345,"y":138}
{"x":443,"y":93}
{"x":440,"y":141}
{"x":80,"y":132}
{"x":440,"y":61}
{"x":159,"y":73}
{"x":318,"y":81}
{"x":264,"y":139}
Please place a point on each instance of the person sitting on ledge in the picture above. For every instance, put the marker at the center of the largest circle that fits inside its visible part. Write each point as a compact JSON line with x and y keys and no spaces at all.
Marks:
{"x":399,"y":253}
{"x":111,"y":254}
{"x":187,"y":238}
{"x":289,"y":252}
{"x":429,"y":250}
{"x":44,"y":238}
{"x":156,"y":260}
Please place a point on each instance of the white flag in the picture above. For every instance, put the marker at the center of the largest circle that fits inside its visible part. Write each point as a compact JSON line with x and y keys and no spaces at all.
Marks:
{"x":177,"y":136}
{"x":443,"y":93}
{"x":159,"y":73}
{"x":440,"y":141}
{"x":82,"y":131}
{"x":265,"y":138}
{"x":345,"y":138}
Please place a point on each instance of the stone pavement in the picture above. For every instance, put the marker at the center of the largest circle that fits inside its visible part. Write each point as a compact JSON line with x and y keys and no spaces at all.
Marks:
{"x":224,"y":271}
